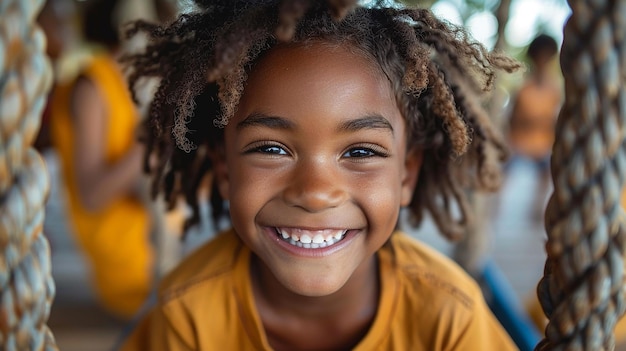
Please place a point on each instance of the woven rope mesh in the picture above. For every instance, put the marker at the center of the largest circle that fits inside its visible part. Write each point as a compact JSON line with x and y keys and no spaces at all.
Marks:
{"x":582,"y":291}
{"x":26,"y":285}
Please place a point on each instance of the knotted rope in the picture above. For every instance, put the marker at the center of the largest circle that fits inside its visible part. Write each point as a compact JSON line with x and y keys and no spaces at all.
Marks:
{"x":582,"y":291}
{"x":26,"y":285}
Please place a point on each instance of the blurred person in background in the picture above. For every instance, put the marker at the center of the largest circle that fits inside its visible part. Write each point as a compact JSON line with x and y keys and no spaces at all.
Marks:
{"x":93,"y":124}
{"x":534,"y":113}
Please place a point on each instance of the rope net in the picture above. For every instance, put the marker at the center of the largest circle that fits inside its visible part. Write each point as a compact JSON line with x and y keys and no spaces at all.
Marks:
{"x":26,"y":285}
{"x":582,"y":291}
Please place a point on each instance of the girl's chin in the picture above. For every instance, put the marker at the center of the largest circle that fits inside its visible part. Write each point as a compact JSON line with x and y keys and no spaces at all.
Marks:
{"x":304,"y":281}
{"x":313,"y":288}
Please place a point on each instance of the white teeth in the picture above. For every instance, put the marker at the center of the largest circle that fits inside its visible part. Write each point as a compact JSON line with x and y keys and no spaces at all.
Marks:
{"x":318,"y":239}
{"x":311,"y":239}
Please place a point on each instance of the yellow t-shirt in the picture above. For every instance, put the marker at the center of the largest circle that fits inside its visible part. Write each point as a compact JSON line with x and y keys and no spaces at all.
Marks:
{"x":427,"y":303}
{"x":115,"y":239}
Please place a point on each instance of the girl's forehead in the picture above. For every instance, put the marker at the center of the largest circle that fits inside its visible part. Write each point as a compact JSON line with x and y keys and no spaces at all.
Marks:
{"x":324,"y":50}
{"x":314,"y":80}
{"x":317,"y":65}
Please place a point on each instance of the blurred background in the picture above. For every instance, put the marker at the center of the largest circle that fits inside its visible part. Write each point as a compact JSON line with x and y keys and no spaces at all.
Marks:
{"x":509,"y":247}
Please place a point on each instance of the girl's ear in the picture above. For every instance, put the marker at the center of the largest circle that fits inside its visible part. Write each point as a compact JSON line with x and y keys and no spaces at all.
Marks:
{"x":412,"y":166}
{"x":218,"y":158}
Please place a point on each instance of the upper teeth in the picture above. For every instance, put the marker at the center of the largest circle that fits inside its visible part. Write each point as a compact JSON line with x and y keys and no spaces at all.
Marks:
{"x":311,"y":238}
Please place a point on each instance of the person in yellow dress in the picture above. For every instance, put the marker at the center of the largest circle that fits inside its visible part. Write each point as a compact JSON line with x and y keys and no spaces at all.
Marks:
{"x":320,"y":121}
{"x":94,"y":130}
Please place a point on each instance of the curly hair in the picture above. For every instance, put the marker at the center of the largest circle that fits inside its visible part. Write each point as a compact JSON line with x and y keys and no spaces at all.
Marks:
{"x":438,"y":73}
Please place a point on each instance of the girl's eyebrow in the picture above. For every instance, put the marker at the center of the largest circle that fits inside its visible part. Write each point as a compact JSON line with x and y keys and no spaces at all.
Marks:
{"x":261,"y":119}
{"x":371,"y":121}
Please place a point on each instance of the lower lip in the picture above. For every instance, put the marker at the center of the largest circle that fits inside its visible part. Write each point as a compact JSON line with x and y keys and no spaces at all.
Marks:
{"x":319,"y":252}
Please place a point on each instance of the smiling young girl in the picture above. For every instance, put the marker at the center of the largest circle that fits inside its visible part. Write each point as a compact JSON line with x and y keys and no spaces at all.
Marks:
{"x":319,"y":123}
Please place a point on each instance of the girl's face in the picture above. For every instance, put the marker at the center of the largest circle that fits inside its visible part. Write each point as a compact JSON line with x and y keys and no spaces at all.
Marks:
{"x":316,"y":165}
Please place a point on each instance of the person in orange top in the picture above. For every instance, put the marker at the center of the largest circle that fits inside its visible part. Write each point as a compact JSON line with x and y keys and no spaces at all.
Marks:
{"x":321,"y":122}
{"x":535,"y":110}
{"x":94,"y":125}
{"x":537,"y":103}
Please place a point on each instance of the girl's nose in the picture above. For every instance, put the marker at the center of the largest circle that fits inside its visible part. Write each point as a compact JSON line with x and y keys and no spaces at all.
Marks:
{"x":315,"y":187}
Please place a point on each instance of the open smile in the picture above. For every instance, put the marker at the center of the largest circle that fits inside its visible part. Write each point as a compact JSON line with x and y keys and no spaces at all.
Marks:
{"x":311,"y":239}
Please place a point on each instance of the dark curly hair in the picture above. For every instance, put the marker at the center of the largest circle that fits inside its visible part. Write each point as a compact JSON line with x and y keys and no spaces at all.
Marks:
{"x":438,"y":73}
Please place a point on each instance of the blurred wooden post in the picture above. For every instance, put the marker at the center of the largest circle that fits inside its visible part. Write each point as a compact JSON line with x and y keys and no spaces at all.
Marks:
{"x":26,"y":285}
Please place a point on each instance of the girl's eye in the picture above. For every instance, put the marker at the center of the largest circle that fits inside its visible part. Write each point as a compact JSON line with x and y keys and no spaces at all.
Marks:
{"x":363,"y":152}
{"x":269,"y":149}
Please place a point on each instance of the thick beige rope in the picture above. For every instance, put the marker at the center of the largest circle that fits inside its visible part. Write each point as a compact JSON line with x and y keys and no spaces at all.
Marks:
{"x":26,"y":285}
{"x":582,"y":291}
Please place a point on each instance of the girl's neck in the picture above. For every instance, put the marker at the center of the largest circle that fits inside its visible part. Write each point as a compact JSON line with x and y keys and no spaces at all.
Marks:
{"x":342,"y":318}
